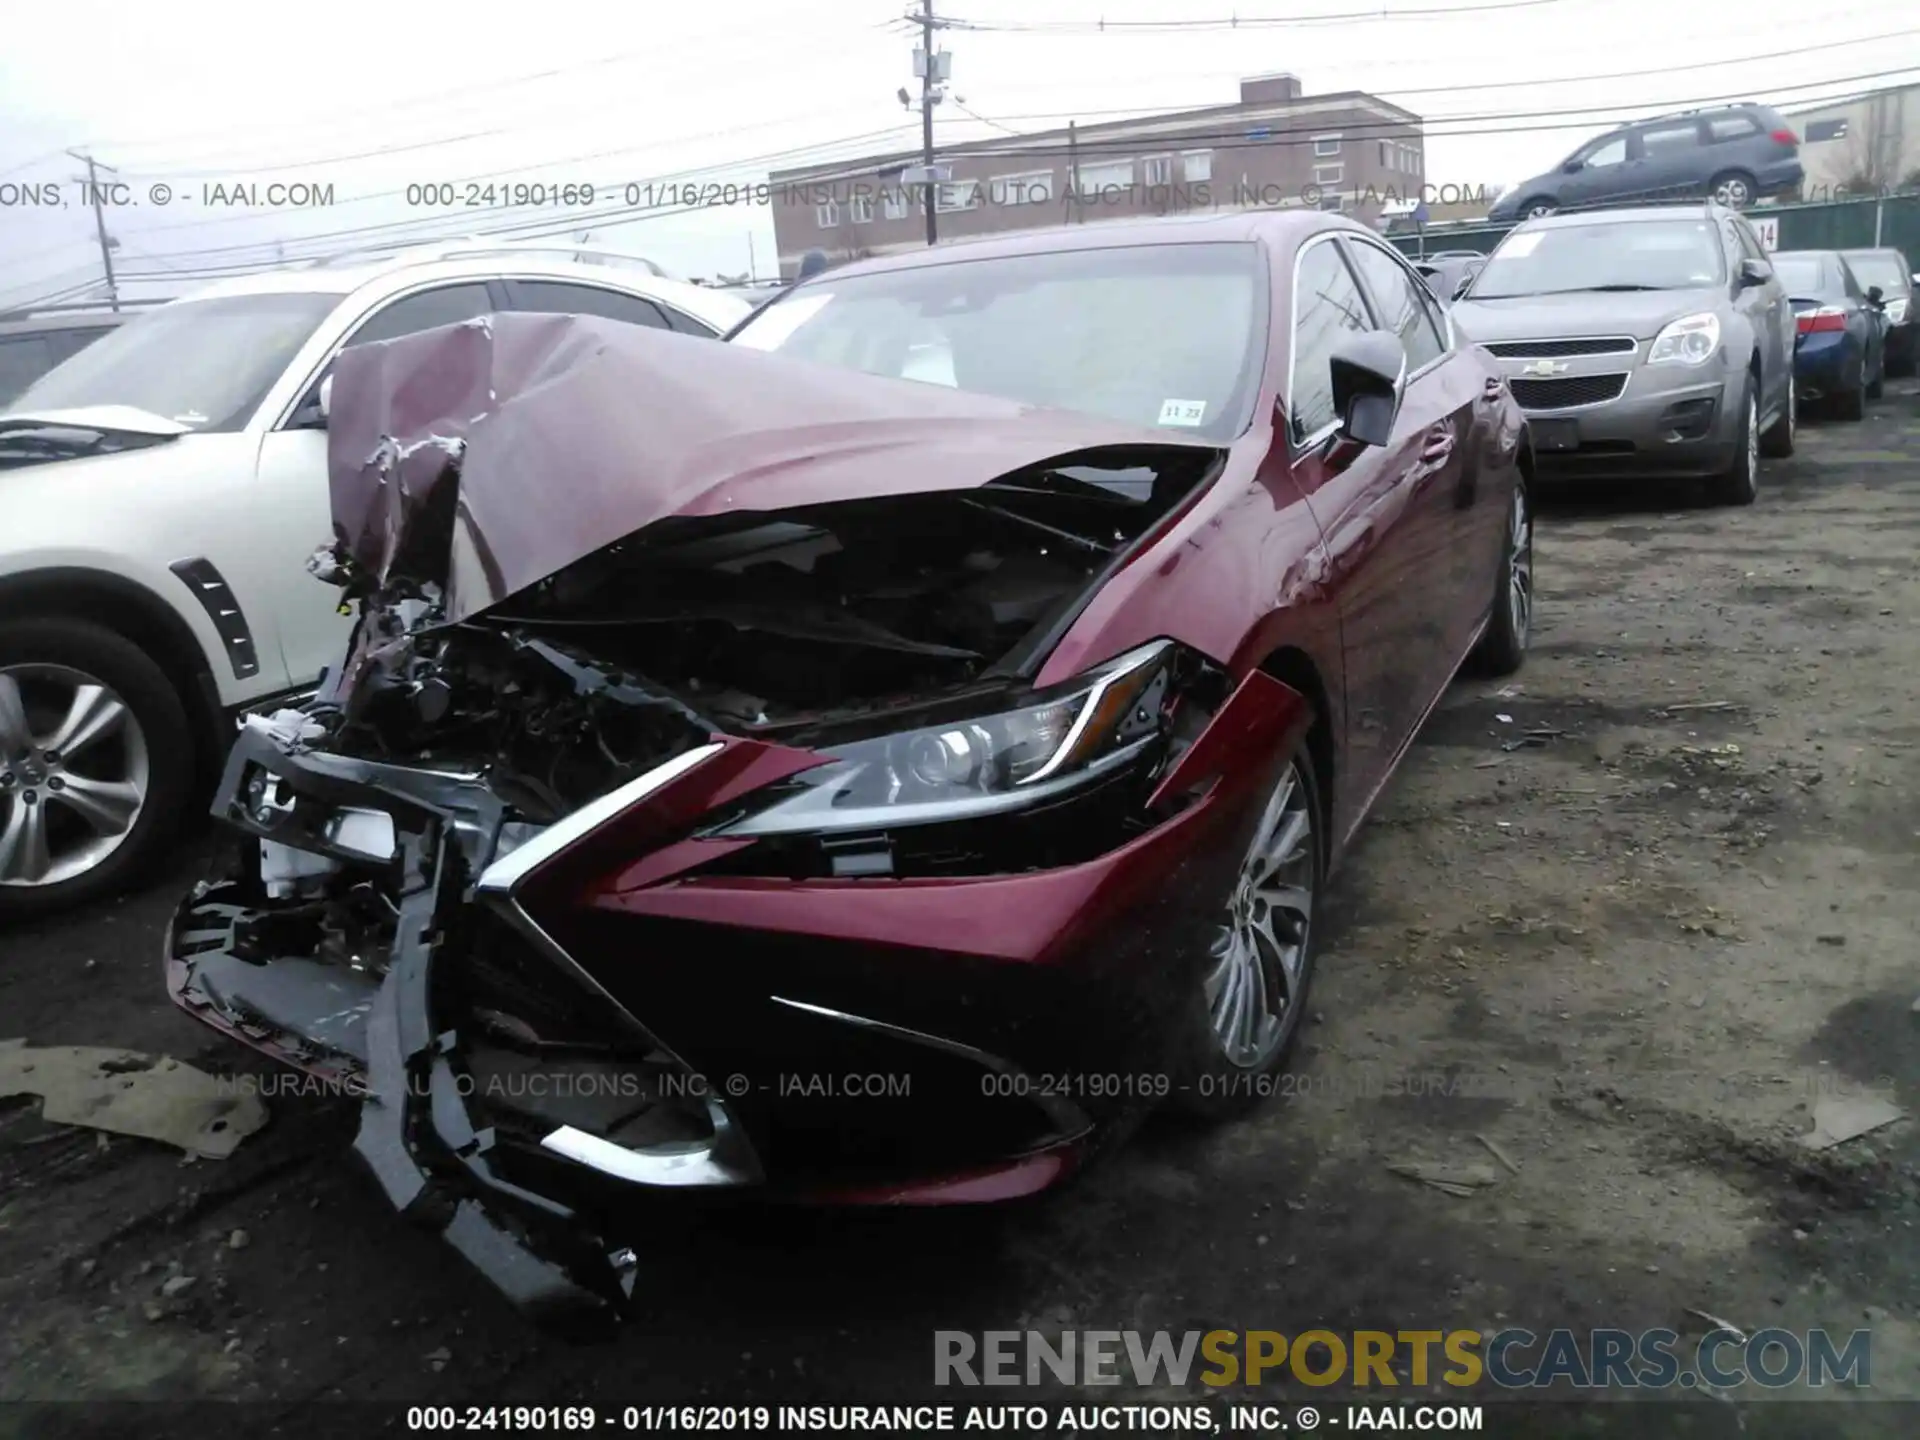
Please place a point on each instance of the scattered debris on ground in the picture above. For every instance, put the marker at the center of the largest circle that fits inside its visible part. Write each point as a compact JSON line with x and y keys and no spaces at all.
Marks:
{"x":149,"y":1097}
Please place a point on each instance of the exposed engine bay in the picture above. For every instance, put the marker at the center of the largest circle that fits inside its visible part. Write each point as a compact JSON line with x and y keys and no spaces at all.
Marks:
{"x":788,"y":625}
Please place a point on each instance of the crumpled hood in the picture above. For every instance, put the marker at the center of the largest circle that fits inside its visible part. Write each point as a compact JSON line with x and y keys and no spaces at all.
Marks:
{"x":1640,"y":314}
{"x":487,"y":456}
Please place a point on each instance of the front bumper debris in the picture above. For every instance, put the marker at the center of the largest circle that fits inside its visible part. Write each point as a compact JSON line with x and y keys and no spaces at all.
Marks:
{"x":373,"y":1038}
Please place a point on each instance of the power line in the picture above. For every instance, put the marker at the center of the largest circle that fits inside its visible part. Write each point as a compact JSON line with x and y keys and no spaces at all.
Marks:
{"x":542,"y":228}
{"x":651,"y":54}
{"x":1243,"y":22}
{"x":411,"y":231}
{"x":1387,"y":93}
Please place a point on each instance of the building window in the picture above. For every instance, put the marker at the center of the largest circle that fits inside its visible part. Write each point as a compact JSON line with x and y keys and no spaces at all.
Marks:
{"x":957,"y":195}
{"x":893,"y":203}
{"x":1389,"y":156}
{"x":1196,"y":166}
{"x":1332,"y":202}
{"x":860,"y":207}
{"x":1328,"y":174}
{"x":826,"y":214}
{"x":1819,"y":131}
{"x":1034,"y":187}
{"x":1096,"y":180}
{"x":1157,"y":170}
{"x":1326,"y":145}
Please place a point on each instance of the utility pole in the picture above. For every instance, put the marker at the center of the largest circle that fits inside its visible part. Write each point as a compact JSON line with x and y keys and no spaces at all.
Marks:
{"x":1073,"y":172}
{"x":931,"y":65}
{"x":100,"y":222}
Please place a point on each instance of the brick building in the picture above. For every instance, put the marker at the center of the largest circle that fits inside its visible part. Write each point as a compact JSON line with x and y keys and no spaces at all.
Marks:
{"x":1275,"y":147}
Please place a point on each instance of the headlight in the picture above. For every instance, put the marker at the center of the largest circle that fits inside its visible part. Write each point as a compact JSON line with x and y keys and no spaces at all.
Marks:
{"x":1091,"y":726}
{"x":1897,"y":311}
{"x":1690,"y":341}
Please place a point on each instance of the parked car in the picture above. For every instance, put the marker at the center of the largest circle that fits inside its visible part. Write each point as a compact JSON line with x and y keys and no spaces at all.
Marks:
{"x":164,"y":488}
{"x":965,"y":733}
{"x":33,"y":342}
{"x":1892,"y":273}
{"x":1446,"y":275}
{"x":1733,"y":154}
{"x":1840,"y":348}
{"x":1653,"y":341}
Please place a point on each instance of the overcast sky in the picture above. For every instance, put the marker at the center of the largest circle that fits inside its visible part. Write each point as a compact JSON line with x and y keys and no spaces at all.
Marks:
{"x":371,"y":96}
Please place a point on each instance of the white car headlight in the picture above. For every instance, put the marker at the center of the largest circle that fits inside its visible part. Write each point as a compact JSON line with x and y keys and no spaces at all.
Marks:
{"x":1691,"y":340}
{"x":1897,"y":311}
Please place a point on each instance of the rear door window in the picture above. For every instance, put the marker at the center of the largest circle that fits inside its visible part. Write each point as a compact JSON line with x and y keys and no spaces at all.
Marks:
{"x":1399,"y":304}
{"x":556,"y":297}
{"x":1661,"y":140}
{"x":425,"y":310}
{"x":1731,"y":127}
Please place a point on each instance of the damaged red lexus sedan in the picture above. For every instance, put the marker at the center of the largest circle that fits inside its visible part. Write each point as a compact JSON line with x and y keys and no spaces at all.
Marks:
{"x":965,"y":678}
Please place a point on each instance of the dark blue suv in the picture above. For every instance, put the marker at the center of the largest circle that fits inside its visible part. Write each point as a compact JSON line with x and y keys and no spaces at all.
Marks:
{"x":1733,"y":154}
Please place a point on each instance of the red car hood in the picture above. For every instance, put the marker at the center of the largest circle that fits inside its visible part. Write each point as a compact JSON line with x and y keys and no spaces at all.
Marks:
{"x":485,"y":457}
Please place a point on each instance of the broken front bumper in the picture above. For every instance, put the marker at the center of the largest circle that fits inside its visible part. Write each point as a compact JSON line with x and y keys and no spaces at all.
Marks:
{"x":853,"y":1041}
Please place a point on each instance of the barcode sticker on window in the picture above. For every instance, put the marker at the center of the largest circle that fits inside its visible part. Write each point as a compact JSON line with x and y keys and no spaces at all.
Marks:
{"x":1183,"y":412}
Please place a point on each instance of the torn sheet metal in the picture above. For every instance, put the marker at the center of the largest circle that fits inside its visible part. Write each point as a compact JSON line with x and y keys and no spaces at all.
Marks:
{"x":482,"y":458}
{"x":127,"y":1093}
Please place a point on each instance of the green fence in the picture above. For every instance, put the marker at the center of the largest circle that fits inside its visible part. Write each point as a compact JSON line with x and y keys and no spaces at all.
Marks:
{"x":1893,"y":222}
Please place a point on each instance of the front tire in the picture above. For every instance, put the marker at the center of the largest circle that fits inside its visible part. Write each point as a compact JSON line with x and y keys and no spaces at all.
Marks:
{"x":1776,"y":443}
{"x":1247,"y":1005}
{"x":1536,"y":208}
{"x":1852,"y":404}
{"x":1740,"y":484}
{"x":96,"y":764}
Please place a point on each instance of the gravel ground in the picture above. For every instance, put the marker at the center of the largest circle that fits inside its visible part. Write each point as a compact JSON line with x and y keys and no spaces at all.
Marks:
{"x":1626,"y":918}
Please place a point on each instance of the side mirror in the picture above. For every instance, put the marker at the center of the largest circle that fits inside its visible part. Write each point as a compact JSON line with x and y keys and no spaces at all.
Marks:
{"x":1570,"y":167}
{"x":1875,"y":295}
{"x":1369,"y":381}
{"x":312,"y":412}
{"x":1754,"y":272}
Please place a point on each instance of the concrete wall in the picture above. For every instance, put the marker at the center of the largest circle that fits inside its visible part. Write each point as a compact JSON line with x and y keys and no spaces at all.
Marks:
{"x":1881,"y":145}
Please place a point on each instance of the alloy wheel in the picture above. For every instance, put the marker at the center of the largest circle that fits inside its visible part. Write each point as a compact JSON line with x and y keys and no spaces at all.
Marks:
{"x":1753,"y":442}
{"x":1520,"y":566}
{"x":1733,"y":192}
{"x":1255,"y":987}
{"x":74,"y":773}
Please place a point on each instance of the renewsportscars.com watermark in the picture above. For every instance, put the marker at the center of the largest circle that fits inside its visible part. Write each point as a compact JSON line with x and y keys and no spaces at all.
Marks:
{"x":1513,"y":1359}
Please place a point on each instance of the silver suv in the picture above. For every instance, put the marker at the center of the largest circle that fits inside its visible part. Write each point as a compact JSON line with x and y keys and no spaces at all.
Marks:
{"x":1654,"y":341}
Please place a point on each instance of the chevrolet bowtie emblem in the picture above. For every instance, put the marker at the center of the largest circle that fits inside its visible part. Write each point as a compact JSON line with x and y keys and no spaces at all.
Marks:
{"x":1544,"y":367}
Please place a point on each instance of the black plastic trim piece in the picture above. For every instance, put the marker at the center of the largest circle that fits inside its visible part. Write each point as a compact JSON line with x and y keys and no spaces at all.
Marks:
{"x":210,"y":588}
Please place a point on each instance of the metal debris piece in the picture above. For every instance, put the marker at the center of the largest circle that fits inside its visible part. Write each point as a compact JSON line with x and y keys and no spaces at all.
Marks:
{"x":1719,"y":1324}
{"x":1687,"y":705}
{"x":1460,"y":1181}
{"x":1838,"y":1120}
{"x":151,"y":1097}
{"x":1498,"y":1154}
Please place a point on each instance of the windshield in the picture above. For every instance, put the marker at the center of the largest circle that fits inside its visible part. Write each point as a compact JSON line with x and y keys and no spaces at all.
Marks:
{"x":1637,"y":255}
{"x":1806,"y":275}
{"x":1162,"y":335}
{"x":1889,"y":272}
{"x":205,"y":364}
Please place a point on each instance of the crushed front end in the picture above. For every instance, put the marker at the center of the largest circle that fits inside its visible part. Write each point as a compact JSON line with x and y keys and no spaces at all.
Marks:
{"x":739,"y":853}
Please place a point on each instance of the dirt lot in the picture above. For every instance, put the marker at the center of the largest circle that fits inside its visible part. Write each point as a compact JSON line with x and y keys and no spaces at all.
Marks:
{"x":1631,"y":953}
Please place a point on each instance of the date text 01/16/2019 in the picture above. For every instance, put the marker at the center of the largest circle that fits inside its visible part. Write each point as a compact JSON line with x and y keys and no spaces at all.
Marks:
{"x":576,"y":195}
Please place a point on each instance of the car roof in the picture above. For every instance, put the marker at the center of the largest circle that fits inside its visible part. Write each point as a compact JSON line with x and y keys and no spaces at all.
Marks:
{"x":343,"y":280}
{"x":1626,"y":215}
{"x":1271,"y":227}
